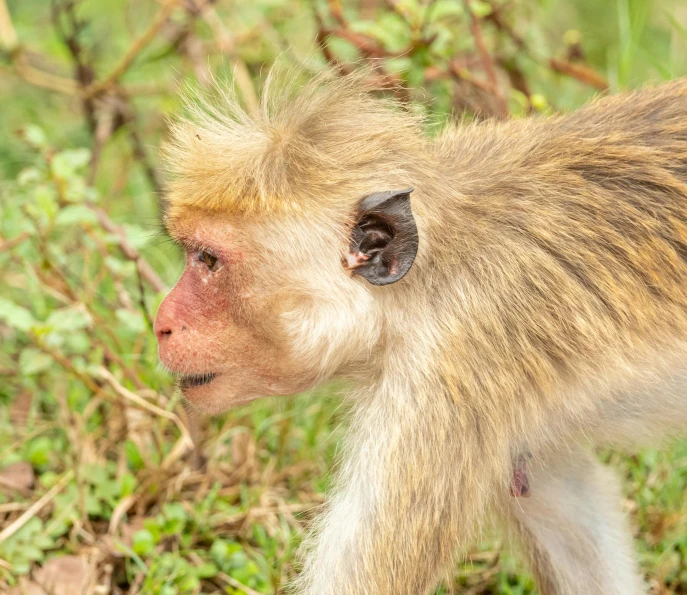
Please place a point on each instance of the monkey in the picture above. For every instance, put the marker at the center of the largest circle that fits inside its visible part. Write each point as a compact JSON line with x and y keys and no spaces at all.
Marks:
{"x":498,"y":298}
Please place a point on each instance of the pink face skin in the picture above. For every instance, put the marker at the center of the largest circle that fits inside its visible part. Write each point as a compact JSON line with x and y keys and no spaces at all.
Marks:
{"x":206,"y":326}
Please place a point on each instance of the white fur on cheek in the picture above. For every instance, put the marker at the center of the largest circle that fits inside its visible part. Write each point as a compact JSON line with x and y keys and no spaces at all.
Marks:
{"x":332,"y":324}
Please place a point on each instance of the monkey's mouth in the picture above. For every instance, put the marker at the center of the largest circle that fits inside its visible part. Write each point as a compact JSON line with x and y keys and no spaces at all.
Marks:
{"x":194,"y":380}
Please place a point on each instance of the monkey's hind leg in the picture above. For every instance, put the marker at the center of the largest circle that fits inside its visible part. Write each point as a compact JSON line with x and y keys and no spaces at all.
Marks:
{"x":572,"y":529}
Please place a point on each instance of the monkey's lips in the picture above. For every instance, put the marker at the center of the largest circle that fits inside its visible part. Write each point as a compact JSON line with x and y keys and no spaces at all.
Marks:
{"x":193,"y":380}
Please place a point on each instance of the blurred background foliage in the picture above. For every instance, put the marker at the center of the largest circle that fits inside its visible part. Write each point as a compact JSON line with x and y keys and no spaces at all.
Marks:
{"x":101,"y":487}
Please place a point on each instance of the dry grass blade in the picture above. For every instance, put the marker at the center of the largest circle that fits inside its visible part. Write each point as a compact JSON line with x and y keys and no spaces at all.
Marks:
{"x":185,"y":442}
{"x":13,"y":527}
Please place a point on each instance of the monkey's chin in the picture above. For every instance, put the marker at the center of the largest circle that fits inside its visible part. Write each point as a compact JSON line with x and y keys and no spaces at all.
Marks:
{"x":211,"y":398}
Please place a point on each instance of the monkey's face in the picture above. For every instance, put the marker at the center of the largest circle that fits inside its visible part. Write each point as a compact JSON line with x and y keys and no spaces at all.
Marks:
{"x":273,"y":307}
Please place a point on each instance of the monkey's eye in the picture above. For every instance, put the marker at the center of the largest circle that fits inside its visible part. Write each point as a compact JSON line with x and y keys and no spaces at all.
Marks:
{"x":209,"y":260}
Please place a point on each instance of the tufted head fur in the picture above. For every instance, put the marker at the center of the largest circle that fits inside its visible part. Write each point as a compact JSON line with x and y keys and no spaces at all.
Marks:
{"x":306,"y":147}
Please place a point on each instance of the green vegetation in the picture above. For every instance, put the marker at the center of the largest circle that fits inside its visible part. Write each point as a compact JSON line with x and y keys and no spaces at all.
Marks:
{"x":100,"y":488}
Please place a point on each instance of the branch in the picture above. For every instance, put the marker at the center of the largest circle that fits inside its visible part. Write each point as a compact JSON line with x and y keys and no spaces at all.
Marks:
{"x":582,"y":73}
{"x":136,"y":47}
{"x":15,"y":241}
{"x":487,"y":62}
{"x":227,"y":44}
{"x":145,"y":270}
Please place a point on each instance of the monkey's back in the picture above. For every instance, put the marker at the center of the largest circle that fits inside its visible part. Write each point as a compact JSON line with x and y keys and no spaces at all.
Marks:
{"x":576,"y":228}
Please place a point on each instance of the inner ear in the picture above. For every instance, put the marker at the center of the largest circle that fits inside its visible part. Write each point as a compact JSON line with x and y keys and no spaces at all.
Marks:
{"x":384,"y":239}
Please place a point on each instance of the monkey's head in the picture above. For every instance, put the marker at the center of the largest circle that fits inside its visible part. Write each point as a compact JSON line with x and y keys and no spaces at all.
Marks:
{"x":294,"y":220}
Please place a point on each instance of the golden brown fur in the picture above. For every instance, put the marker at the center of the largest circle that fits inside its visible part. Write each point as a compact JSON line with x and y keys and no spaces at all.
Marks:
{"x":547,"y":304}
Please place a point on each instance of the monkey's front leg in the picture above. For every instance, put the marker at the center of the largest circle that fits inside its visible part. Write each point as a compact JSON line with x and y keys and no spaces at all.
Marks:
{"x":413,"y":489}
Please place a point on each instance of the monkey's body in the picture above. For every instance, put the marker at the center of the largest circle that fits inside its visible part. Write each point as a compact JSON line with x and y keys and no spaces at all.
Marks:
{"x":546,"y":306}
{"x":572,"y":249}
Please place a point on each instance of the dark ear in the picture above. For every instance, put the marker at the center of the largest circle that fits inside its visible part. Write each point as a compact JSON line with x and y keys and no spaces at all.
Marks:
{"x":384,"y":240}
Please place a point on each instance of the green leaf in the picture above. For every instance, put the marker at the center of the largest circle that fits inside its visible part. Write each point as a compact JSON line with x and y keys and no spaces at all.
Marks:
{"x":133,"y":455}
{"x":175,"y":511}
{"x":75,"y":214}
{"x":189,"y":583}
{"x":143,"y":542}
{"x":21,"y":566}
{"x":137,"y":236}
{"x":35,"y":136}
{"x":33,"y":553}
{"x":133,"y":320}
{"x":33,"y":361}
{"x":119,"y":266}
{"x":39,"y":450}
{"x":69,"y":319}
{"x":46,"y":200}
{"x":66,"y":164}
{"x":219,"y":551}
{"x":44,"y":542}
{"x":127,"y":485}
{"x":28,"y":176}
{"x":49,"y":479}
{"x":445,"y":8}
{"x":207,"y":570}
{"x":480,"y":9}
{"x":79,"y":342}
{"x":15,"y":316}
{"x":93,"y":504}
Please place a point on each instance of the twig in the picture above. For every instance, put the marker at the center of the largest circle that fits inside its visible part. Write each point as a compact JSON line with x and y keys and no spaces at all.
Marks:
{"x":366,"y":45}
{"x":136,"y":47}
{"x":84,"y":72}
{"x":427,"y":17}
{"x":8,"y":35}
{"x":119,"y":511}
{"x":236,"y":584}
{"x":487,"y":62}
{"x":336,"y":11}
{"x":129,"y":251}
{"x":142,"y":299}
{"x":38,"y":78}
{"x":15,"y":241}
{"x":12,"y":528}
{"x":227,"y":44}
{"x":140,"y":153}
{"x":322,"y":41}
{"x":184,"y":444}
{"x":67,"y":365}
{"x":582,"y":73}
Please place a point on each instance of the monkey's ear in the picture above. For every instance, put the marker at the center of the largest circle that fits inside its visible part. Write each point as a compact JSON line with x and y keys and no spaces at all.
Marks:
{"x":384,"y":239}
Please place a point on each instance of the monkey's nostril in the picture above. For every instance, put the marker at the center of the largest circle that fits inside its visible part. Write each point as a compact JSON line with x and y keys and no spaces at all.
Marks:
{"x":164,"y":332}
